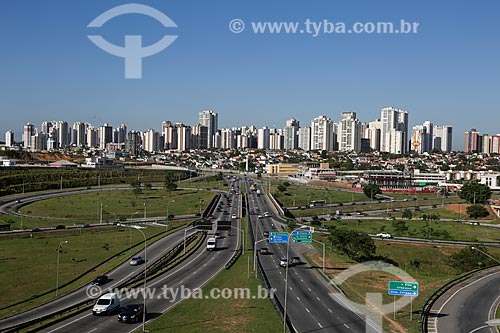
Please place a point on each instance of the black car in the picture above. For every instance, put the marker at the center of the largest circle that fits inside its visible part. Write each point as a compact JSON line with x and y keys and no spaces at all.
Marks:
{"x":132,"y":313}
{"x":100,"y":280}
{"x":60,"y":226}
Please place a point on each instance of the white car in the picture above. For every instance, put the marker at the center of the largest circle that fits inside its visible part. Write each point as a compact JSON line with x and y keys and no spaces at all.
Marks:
{"x":233,"y":216}
{"x":384,"y":235}
{"x":283,"y":262}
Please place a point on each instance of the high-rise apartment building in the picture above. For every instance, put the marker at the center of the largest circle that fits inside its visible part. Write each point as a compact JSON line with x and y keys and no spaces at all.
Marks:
{"x":79,"y":135}
{"x":28,"y":132}
{"x":291,"y":134}
{"x":263,"y":138}
{"x":105,"y":135}
{"x":442,"y":138}
{"x":276,"y":139}
{"x":322,"y":134}
{"x":394,"y":133}
{"x":472,"y":141}
{"x":349,"y":132}
{"x":373,"y":133}
{"x":209,"y":119}
{"x":9,"y":138}
{"x":183,"y":137}
{"x":305,"y":138}
{"x":151,"y":140}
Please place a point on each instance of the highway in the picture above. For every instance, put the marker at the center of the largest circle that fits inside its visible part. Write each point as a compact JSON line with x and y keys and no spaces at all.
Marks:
{"x":310,"y":307}
{"x":118,"y":276}
{"x":468,"y":305}
{"x":164,"y":291}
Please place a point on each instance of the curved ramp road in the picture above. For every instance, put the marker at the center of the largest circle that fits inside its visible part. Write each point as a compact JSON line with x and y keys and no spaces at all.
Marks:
{"x":309,"y":304}
{"x":468,"y":305}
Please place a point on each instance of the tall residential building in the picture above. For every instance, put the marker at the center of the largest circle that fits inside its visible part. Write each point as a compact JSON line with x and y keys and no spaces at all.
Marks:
{"x":394,"y":133}
{"x":133,"y":144}
{"x":40,"y":141}
{"x":486,"y":146}
{"x":227,"y":137}
{"x":495,"y":144}
{"x":28,"y":132}
{"x":209,"y":119}
{"x":46,"y":127}
{"x":322,"y":134}
{"x":349,"y":132}
{"x":169,"y":135}
{"x":305,"y":138}
{"x":442,"y":137}
{"x":291,"y":134}
{"x":428,"y":136}
{"x":63,"y":134}
{"x":120,"y":134}
{"x":276,"y":139}
{"x":9,"y":138}
{"x":418,"y":139}
{"x":472,"y":141}
{"x":79,"y":135}
{"x":92,"y":141}
{"x":183,"y":137}
{"x":105,"y":135}
{"x":151,"y":141}
{"x":373,"y":133}
{"x":263,"y":138}
{"x":199,"y":135}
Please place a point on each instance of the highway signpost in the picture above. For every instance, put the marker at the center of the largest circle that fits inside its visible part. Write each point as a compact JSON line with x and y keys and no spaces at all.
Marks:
{"x":276,"y":237}
{"x":400,"y":288}
{"x":302,"y":237}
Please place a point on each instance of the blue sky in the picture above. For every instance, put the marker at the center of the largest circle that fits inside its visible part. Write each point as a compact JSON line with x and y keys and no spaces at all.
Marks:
{"x":448,"y":72}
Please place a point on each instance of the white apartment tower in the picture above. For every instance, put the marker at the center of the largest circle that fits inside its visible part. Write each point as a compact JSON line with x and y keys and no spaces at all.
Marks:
{"x":209,"y":119}
{"x":9,"y":138}
{"x":322,"y":134}
{"x":291,"y":134}
{"x":394,"y":133}
{"x":349,"y":135}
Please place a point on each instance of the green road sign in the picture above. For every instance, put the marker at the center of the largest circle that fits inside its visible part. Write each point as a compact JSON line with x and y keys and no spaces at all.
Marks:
{"x":302,"y":237}
{"x":399,"y":288}
{"x":278,"y":237}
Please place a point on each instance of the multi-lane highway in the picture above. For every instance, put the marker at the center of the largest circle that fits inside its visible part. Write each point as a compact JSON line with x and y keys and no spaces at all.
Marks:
{"x":163,"y":292}
{"x":310,"y":307}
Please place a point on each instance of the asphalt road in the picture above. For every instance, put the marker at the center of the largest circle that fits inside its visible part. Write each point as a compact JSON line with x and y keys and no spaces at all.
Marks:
{"x":165,"y":291}
{"x":309,"y":304}
{"x":468,"y":305}
{"x":118,"y":275}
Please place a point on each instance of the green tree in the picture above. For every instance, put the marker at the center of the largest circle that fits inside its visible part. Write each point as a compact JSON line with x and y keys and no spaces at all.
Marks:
{"x":169,"y":182}
{"x":136,"y":187}
{"x":468,"y":259}
{"x":477,"y":211}
{"x":475,"y":192}
{"x":399,"y":227}
{"x":407,"y":214}
{"x":371,"y":190}
{"x":356,"y":245}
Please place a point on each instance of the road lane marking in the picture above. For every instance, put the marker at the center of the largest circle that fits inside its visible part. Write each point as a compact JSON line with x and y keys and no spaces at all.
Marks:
{"x":320,"y":326}
{"x":330,"y":310}
{"x":346,"y":325}
{"x":92,"y":330}
{"x":308,"y":310}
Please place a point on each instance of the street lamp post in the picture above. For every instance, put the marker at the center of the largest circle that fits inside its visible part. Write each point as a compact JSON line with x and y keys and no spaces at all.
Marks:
{"x":486,"y":254}
{"x":145,"y":271}
{"x":57,"y":266}
{"x":323,"y":244}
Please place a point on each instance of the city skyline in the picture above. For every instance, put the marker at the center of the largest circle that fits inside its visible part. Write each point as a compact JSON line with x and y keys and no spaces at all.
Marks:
{"x":53,"y":71}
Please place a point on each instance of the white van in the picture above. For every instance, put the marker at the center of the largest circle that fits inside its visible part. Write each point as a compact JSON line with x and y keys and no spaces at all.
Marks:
{"x":211,"y":243}
{"x":106,"y":304}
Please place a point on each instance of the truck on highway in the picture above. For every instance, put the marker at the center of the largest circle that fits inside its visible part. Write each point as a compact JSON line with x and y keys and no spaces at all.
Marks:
{"x":211,"y":244}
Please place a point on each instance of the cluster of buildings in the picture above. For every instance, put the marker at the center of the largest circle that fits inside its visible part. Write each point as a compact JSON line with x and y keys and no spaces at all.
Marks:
{"x":474,"y":142}
{"x":387,"y":134}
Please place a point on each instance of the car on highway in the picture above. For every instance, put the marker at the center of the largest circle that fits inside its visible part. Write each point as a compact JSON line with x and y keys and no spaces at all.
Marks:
{"x":35,"y":230}
{"x":264,"y":250}
{"x":211,"y":217}
{"x":100,"y":280}
{"x":295,"y":261}
{"x":211,"y":244}
{"x":474,"y":223}
{"x":106,"y":304}
{"x":60,"y":226}
{"x":132,"y":313}
{"x":283,"y":262}
{"x":266,"y":233}
{"x":384,"y":235}
{"x":260,"y":216}
{"x":233,"y":216}
{"x":266,"y":214}
{"x":136,"y":260}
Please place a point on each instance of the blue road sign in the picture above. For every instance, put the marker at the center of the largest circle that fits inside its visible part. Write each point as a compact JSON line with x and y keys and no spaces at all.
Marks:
{"x":278,"y":237}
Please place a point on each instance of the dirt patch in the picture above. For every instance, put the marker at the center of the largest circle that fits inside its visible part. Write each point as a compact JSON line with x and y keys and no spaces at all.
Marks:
{"x":462,"y":209}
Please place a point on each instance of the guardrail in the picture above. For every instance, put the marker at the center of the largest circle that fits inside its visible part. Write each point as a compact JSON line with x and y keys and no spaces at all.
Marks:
{"x":87,"y":304}
{"x":425,"y":312}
